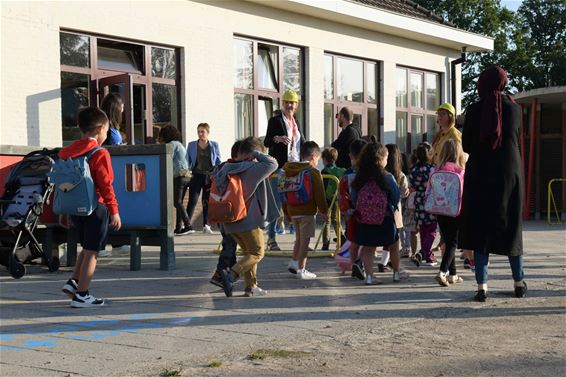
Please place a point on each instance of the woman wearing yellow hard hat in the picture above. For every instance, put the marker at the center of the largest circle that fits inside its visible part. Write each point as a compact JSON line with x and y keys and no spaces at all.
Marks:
{"x":446,"y":120}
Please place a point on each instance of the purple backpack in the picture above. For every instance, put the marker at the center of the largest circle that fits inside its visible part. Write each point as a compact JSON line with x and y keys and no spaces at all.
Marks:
{"x":371,"y":204}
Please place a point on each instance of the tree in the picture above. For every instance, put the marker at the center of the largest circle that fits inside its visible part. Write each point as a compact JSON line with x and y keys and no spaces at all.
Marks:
{"x":485,"y":17}
{"x":539,"y":58}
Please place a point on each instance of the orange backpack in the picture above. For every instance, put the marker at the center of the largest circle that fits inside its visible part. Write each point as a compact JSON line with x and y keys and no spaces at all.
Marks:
{"x":230,"y":206}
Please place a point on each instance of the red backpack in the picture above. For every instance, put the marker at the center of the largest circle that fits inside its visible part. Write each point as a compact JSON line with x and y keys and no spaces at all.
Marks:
{"x":230,"y":206}
{"x":296,"y":190}
{"x":371,"y":204}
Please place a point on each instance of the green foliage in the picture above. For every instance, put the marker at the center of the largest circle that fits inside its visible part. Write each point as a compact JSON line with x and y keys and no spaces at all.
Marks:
{"x":215,"y":363}
{"x":529,"y":44}
{"x":170,"y":373}
{"x":261,"y":354}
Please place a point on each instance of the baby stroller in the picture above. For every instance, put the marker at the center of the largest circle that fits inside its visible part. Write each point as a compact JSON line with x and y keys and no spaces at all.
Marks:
{"x":21,"y":205}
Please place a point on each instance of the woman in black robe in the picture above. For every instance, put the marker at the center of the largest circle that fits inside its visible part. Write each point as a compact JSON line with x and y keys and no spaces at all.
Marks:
{"x":493,"y":183}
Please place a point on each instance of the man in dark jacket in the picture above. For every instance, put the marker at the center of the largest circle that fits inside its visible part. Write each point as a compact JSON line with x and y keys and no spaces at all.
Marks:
{"x":349,"y":133}
{"x":284,"y":140}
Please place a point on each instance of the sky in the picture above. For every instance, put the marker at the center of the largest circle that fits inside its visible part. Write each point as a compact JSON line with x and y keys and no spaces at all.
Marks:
{"x":511,"y":4}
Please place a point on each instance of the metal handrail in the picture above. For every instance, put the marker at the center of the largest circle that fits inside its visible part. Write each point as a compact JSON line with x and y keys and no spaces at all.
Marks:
{"x":551,"y":200}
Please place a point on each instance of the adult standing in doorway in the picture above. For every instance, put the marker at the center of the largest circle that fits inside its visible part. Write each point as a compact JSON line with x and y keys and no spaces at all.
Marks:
{"x":349,"y":133}
{"x":284,"y":140}
{"x":446,"y":120}
{"x":113,"y":106}
{"x":493,"y":183}
{"x":203,"y":155}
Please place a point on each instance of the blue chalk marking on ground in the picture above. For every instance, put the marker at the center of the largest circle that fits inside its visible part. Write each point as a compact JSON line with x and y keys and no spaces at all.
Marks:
{"x":6,"y":337}
{"x":97,"y":323}
{"x":142,"y":316}
{"x":181,"y":321}
{"x":140,"y":326}
{"x":33,"y":343}
{"x":94,"y":336}
{"x":4,"y":348}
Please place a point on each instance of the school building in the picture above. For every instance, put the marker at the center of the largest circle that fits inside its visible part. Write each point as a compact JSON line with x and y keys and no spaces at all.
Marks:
{"x":227,"y":63}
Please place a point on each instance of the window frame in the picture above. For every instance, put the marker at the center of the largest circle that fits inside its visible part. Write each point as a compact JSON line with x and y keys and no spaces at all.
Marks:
{"x":256,"y":92}
{"x":141,"y":78}
{"x":357,"y":107}
{"x":411,"y":110}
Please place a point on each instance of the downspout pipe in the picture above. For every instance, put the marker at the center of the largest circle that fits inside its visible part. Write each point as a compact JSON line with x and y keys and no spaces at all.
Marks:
{"x":453,"y":64}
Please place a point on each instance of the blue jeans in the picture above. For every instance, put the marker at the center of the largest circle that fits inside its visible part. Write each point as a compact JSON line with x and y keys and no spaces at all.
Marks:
{"x":274,"y":181}
{"x":482,"y":260}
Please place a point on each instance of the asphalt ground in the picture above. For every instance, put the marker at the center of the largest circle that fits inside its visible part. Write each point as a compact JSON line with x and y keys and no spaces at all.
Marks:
{"x":175,"y":323}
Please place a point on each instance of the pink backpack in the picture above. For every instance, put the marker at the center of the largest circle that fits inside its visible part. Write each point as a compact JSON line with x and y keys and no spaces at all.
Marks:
{"x":371,"y":204}
{"x":443,"y":194}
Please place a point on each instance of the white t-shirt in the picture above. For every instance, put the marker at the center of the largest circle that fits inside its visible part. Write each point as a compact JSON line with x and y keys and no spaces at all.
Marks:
{"x":294,"y":147}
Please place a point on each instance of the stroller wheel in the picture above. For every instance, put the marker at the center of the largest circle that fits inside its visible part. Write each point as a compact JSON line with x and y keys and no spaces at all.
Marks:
{"x":17,"y":270}
{"x":53,"y":264}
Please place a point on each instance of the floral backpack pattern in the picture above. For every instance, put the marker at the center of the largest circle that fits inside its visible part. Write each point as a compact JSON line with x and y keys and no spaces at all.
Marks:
{"x":371,"y":204}
{"x":444,"y":194}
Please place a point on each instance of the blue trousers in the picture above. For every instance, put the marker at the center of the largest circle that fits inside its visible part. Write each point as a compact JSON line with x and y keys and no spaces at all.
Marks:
{"x":482,"y":260}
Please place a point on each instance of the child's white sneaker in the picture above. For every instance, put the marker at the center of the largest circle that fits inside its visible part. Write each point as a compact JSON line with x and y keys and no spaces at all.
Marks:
{"x":293,"y":266}
{"x":305,"y":274}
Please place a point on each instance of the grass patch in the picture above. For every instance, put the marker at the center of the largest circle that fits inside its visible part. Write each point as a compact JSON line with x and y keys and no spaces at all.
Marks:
{"x":282,"y":354}
{"x":214,"y":363}
{"x":167,"y":372}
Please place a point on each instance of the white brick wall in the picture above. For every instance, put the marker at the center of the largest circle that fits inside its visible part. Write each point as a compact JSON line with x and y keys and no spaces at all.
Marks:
{"x":30,"y":71}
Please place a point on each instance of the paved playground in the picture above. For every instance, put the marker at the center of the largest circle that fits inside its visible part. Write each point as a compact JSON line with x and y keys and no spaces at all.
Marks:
{"x":175,"y":323}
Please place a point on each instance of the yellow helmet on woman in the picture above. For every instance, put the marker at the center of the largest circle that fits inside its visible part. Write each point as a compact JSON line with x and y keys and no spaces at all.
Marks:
{"x":447,"y":107}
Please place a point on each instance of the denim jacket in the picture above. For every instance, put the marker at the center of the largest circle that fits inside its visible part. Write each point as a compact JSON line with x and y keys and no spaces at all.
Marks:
{"x":192,"y":153}
{"x":180,"y":165}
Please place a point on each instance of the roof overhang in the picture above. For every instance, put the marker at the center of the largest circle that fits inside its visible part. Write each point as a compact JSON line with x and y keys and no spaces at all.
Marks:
{"x":370,"y":18}
{"x":550,"y":95}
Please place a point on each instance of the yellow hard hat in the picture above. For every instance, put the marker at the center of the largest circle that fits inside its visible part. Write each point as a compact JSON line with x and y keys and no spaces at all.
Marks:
{"x":448,"y":107}
{"x":290,"y":96}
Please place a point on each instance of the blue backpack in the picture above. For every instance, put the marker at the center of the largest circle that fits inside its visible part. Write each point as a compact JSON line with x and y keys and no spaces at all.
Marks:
{"x":75,"y":193}
{"x":296,"y":190}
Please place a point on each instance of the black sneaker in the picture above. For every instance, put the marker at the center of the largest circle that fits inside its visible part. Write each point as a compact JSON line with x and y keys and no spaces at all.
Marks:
{"x":521,"y":292}
{"x":481,"y":295}
{"x":186,"y":230}
{"x":227,"y":283}
{"x":70,"y":288}
{"x":382,"y":268}
{"x":86,"y":301}
{"x":358,"y":271}
{"x":216,"y":279}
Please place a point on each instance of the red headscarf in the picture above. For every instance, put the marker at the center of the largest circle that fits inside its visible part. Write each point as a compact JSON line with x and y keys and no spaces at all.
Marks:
{"x":491,"y":83}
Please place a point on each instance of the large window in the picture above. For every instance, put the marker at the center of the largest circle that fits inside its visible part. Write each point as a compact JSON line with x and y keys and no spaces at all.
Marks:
{"x":417,"y":98}
{"x":146,"y":77}
{"x":262,"y":72}
{"x":353,"y":83}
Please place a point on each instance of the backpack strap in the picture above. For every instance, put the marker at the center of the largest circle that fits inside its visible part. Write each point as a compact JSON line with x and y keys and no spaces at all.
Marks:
{"x":91,"y":152}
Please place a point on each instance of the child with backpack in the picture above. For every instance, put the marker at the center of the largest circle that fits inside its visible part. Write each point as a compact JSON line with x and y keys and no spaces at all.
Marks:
{"x":329,"y":157}
{"x":181,"y":177}
{"x":377,"y":196}
{"x":241,"y":200}
{"x":347,"y":207}
{"x":227,"y":257}
{"x":426,"y":222}
{"x":394,"y":167}
{"x":92,"y":227}
{"x":302,"y":193}
{"x":444,"y":199}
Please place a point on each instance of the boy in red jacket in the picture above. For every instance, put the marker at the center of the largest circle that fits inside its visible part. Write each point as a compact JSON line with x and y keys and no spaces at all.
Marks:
{"x":93,"y":229}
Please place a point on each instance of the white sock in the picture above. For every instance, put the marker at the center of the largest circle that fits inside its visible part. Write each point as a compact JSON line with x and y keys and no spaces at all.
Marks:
{"x":384,"y":257}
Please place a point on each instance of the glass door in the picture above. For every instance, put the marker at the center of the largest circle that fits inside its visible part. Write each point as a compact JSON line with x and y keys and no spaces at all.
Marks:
{"x":122,"y":85}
